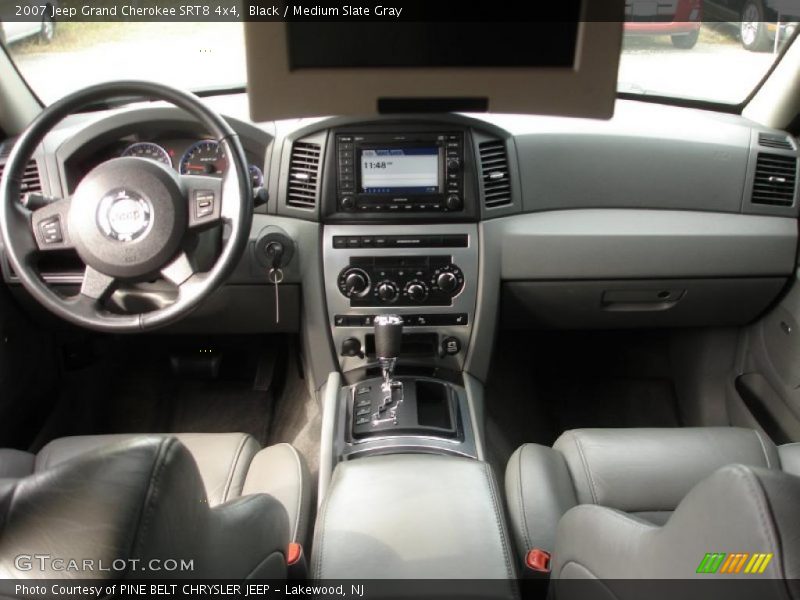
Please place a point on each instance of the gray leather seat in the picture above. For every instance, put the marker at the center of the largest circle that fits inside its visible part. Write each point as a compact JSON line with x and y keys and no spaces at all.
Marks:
{"x":221,"y":483}
{"x":649,"y":503}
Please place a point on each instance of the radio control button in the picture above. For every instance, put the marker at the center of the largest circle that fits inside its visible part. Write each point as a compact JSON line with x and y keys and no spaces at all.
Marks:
{"x":454,"y":202}
{"x":453,"y":164}
{"x":348,"y":203}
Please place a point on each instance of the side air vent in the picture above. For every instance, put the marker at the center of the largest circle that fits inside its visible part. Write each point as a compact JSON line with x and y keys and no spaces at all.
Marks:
{"x":775,"y":178}
{"x":495,"y":178}
{"x":303,"y":175}
{"x":30,"y":178}
{"x":5,"y":148}
{"x":774,"y":141}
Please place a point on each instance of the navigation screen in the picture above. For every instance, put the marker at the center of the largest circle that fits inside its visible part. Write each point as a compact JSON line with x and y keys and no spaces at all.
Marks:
{"x":400,"y":170}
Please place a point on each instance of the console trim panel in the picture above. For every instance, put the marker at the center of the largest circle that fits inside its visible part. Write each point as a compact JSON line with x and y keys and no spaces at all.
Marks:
{"x":346,"y":447}
{"x":335,"y":260}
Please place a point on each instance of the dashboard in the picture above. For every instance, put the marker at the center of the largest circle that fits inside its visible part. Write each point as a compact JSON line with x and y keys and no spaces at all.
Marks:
{"x":462,"y":224}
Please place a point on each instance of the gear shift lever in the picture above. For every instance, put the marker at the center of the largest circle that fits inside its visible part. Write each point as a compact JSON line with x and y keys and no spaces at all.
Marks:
{"x":388,"y":339}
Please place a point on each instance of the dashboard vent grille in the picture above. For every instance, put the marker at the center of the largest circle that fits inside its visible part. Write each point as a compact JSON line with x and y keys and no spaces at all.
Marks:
{"x":495,"y":179}
{"x":31,"y":181}
{"x":774,"y":141}
{"x":775,"y":179}
{"x":5,"y":147}
{"x":304,"y":175}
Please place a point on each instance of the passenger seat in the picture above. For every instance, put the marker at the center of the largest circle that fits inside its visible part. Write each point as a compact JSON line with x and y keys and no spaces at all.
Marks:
{"x":650,"y":503}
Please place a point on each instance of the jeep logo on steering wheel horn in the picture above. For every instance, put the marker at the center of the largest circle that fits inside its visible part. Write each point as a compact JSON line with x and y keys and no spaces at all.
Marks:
{"x":124,"y":215}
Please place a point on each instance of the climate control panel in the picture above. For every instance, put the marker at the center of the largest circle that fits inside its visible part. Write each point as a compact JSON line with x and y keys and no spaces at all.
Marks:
{"x":401,"y":281}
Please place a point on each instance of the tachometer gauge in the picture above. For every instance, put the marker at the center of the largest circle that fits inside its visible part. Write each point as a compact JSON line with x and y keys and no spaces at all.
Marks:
{"x":148,"y":150}
{"x":256,"y":176}
{"x":204,"y":158}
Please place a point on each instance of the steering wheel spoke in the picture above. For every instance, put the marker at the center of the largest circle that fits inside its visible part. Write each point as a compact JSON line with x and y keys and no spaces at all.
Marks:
{"x":49,"y":226}
{"x":179,"y":271}
{"x":204,"y":197}
{"x":96,"y":285}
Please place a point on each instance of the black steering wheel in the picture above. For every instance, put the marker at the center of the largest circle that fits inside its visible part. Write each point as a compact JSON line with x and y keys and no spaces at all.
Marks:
{"x":127,"y":218}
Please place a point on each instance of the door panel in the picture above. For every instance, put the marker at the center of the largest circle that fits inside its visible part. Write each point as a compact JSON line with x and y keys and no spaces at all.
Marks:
{"x":768,"y":378}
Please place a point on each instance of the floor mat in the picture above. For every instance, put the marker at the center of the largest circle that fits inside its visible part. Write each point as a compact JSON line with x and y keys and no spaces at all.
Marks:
{"x":611,"y":402}
{"x":543,"y":383}
{"x":220,"y":407}
{"x":129,"y":387}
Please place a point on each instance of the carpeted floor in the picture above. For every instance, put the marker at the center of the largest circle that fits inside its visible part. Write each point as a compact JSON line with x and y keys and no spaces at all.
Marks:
{"x":542,"y":384}
{"x":128,"y":386}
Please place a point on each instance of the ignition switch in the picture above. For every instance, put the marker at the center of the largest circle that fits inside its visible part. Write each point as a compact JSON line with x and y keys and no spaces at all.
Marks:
{"x":274,"y":249}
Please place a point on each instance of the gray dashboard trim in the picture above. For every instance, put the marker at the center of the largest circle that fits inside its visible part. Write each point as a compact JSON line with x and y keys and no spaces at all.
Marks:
{"x":484,"y":325}
{"x":651,"y":244}
{"x":329,"y":393}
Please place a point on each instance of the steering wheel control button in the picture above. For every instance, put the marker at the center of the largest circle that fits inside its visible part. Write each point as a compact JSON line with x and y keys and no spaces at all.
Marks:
{"x":204,"y":203}
{"x":51,"y":230}
{"x":124,"y":216}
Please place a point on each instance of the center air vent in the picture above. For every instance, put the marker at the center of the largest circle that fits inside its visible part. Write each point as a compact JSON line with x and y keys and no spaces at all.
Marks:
{"x":30,"y":178}
{"x":774,"y":141}
{"x":304,"y":175}
{"x":774,"y":182}
{"x":495,"y":179}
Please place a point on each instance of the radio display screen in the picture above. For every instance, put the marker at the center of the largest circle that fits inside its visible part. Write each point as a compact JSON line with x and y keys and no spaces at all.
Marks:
{"x":400,"y":170}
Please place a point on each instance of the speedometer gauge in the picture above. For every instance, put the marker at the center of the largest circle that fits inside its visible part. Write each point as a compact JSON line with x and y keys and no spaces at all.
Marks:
{"x":205,"y":157}
{"x":148,"y":150}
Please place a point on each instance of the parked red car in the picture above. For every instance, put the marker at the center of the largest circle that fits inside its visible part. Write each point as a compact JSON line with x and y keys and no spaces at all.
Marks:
{"x":679,"y":19}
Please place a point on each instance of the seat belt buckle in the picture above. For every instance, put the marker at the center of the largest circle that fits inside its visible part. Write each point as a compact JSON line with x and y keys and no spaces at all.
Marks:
{"x":537,"y":563}
{"x":296,"y":564}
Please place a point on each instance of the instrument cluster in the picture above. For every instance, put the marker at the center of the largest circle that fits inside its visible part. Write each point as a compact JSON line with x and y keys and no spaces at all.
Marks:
{"x":189,"y":153}
{"x":189,"y":157}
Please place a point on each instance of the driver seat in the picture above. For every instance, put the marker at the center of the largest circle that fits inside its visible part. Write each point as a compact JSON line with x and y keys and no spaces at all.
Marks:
{"x":217,"y":498}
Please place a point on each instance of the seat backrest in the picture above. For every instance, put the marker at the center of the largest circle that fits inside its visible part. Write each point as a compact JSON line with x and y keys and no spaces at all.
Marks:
{"x":131,"y":503}
{"x":741,"y":522}
{"x":649,"y":471}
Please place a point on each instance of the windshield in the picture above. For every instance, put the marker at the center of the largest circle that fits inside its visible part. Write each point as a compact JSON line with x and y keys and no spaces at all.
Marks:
{"x":719,"y":61}
{"x":669,"y":51}
{"x":193,"y":56}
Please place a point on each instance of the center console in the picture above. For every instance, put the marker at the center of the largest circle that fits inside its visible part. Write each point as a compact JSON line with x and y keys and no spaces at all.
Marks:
{"x":400,"y":253}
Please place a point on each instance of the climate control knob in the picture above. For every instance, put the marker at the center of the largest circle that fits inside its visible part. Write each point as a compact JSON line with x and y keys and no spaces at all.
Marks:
{"x":447,"y":282}
{"x":387,"y":291}
{"x":354,"y":283}
{"x":416,"y":291}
